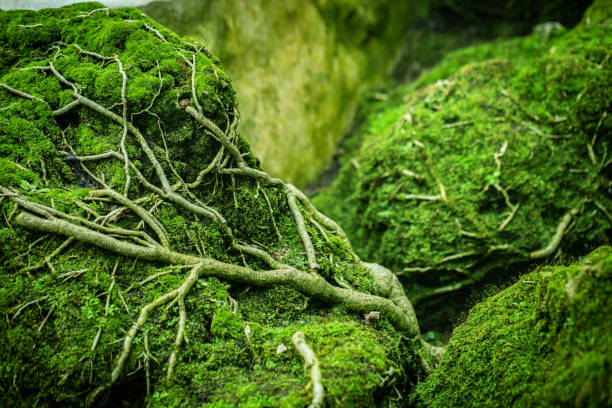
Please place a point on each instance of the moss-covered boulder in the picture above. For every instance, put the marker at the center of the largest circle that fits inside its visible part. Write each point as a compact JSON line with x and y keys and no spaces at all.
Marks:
{"x":145,"y":256}
{"x":545,"y":341}
{"x":497,"y":157}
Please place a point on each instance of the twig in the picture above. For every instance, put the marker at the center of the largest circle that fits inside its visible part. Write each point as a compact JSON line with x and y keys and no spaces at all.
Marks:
{"x":603,"y":210}
{"x":412,"y":174}
{"x":193,"y":89}
{"x":20,"y":93}
{"x":94,"y":344}
{"x":126,"y":165}
{"x":147,"y":357}
{"x":320,"y":228}
{"x":157,"y":275}
{"x":32,"y":302}
{"x":72,"y":274}
{"x":148,"y":27}
{"x":45,"y":320}
{"x":110,"y":288}
{"x":505,"y":223}
{"x":419,"y":197}
{"x":514,"y":207}
{"x":415,"y":269}
{"x":85,"y":208}
{"x":180,"y":332}
{"x":142,"y":318}
{"x":457,"y":124}
{"x":47,"y":259}
{"x":278,"y":234}
{"x":500,"y":154}
{"x":457,"y":256}
{"x":323,"y":219}
{"x":127,"y":309}
{"x":141,"y":212}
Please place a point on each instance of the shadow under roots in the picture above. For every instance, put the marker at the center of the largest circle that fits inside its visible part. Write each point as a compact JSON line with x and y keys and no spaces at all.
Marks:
{"x":130,"y":393}
{"x":444,"y":312}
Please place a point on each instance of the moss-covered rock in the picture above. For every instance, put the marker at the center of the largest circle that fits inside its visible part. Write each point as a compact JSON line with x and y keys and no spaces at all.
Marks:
{"x":545,"y":341}
{"x":496,"y":157}
{"x":107,"y":305}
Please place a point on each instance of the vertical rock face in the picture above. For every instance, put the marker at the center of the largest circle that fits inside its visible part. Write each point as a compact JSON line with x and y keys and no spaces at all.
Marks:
{"x":297,"y":66}
{"x":496,"y":157}
{"x":545,"y":341}
{"x":145,"y":258}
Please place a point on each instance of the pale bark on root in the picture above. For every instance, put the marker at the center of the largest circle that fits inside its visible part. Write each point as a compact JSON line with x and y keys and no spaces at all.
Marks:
{"x":141,"y":212}
{"x":556,"y":238}
{"x":310,"y":284}
{"x":310,"y":361}
{"x":301,"y":226}
{"x":323,"y":219}
{"x":136,"y":326}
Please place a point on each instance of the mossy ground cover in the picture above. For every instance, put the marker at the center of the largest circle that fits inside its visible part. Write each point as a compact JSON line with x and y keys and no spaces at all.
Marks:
{"x":496,"y":158}
{"x":146,"y":257}
{"x":545,"y":341}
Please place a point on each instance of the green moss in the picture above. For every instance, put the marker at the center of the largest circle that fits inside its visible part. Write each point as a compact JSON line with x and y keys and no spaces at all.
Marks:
{"x":254,"y":371}
{"x":534,"y":104}
{"x":64,"y":327}
{"x":545,"y":341}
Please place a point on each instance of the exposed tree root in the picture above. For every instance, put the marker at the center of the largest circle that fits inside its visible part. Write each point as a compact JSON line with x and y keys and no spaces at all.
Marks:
{"x":30,"y":303}
{"x":310,"y":361}
{"x":556,"y":239}
{"x":478,"y":256}
{"x":299,"y":219}
{"x":141,"y":212}
{"x":419,"y":197}
{"x":142,"y":318}
{"x":309,"y":284}
{"x":20,"y":93}
{"x":48,"y":258}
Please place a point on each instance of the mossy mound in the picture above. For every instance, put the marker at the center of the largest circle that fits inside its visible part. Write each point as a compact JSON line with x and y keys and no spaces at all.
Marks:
{"x":125,"y":297}
{"x":546,"y":341}
{"x":497,"y":157}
